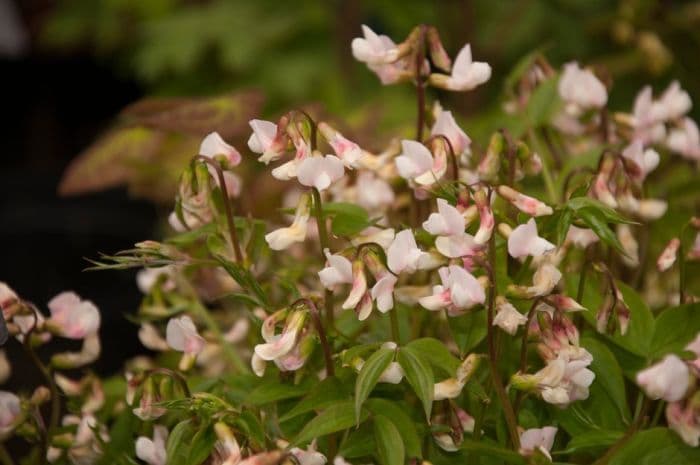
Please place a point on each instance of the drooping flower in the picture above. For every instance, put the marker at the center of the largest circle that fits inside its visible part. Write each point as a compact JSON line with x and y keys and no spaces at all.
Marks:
{"x":524,"y":241}
{"x":338,"y":271}
{"x":448,"y":221}
{"x":182,"y":335}
{"x":466,"y":73}
{"x":73,"y":317}
{"x":213,"y":146}
{"x":320,"y":171}
{"x":459,"y":290}
{"x":524,"y":203}
{"x":581,"y":87}
{"x":667,"y":379}
{"x":416,"y":163}
{"x":445,"y":125}
{"x":647,"y":120}
{"x":565,"y":379}
{"x":392,"y":374}
{"x":450,"y":388}
{"x":374,"y":49}
{"x":310,"y":456}
{"x":669,"y":255}
{"x":267,"y":140}
{"x":404,"y":255}
{"x":673,"y":103}
{"x":685,"y":139}
{"x":508,"y":318}
{"x":541,"y":439}
{"x":152,"y":450}
{"x":282,"y":238}
{"x":348,"y":151}
{"x":278,"y":345}
{"x":645,"y":161}
{"x":581,"y":237}
{"x":486,"y":218}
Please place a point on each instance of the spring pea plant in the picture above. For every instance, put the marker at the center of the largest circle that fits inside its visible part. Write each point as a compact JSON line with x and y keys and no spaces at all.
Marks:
{"x":519,"y":300}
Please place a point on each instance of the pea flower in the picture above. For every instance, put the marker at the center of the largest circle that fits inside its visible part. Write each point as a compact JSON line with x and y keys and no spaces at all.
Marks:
{"x":393,"y":374}
{"x":72,"y":317}
{"x":544,"y":280}
{"x":669,"y":255}
{"x":373,"y":192}
{"x":581,"y":87}
{"x":282,"y":238}
{"x":448,"y":221}
{"x":581,"y":237}
{"x":267,"y":140}
{"x":10,"y":411}
{"x":647,"y":119}
{"x":524,"y":203}
{"x":667,"y":379}
{"x":541,"y":439}
{"x":459,"y":291}
{"x":684,"y":420}
{"x":320,"y":171}
{"x":508,"y":318}
{"x":673,"y":103}
{"x":182,"y":335}
{"x":685,"y":139}
{"x":152,"y":450}
{"x":279,"y":345}
{"x":213,"y":146}
{"x":404,"y":255}
{"x":466,"y":73}
{"x":450,"y":388}
{"x":416,"y":163}
{"x":338,"y":271}
{"x":645,"y":161}
{"x":486,"y":219}
{"x":564,"y":379}
{"x":374,"y":49}
{"x":445,"y":125}
{"x":310,"y":456}
{"x":348,"y":151}
{"x":524,"y":241}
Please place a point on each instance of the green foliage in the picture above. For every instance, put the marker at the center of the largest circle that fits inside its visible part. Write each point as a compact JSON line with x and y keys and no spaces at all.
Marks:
{"x":369,"y":375}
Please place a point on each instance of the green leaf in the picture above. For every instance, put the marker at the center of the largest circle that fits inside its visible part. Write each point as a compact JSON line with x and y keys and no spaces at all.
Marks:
{"x":201,"y":445}
{"x":563,"y":225}
{"x":121,"y":437}
{"x":359,"y":443}
{"x":436,"y":353}
{"x":598,"y":223}
{"x":608,"y":374}
{"x":335,"y":418}
{"x":674,"y":329}
{"x":250,"y":426}
{"x":542,"y":103}
{"x":274,"y":391}
{"x":178,"y":447}
{"x":325,"y":393}
{"x":369,"y":375}
{"x":470,"y":329}
{"x":390,"y":448}
{"x":591,"y":441}
{"x":641,"y":326}
{"x":656,"y":446}
{"x":419,"y":376}
{"x":608,"y":213}
{"x":484,"y":449}
{"x":240,"y":274}
{"x":403,"y":422}
{"x":347,"y":219}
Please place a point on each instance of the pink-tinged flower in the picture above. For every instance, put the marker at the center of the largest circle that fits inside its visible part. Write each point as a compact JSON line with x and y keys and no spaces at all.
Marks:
{"x":373,"y":193}
{"x":338,"y":271}
{"x":645,"y":161}
{"x":508,"y":318}
{"x":445,"y":125}
{"x":462,"y":245}
{"x":359,"y":285}
{"x":213,"y":146}
{"x":524,"y":241}
{"x":267,"y":140}
{"x":404,"y":255}
{"x":541,"y":439}
{"x":448,"y":221}
{"x":459,"y":291}
{"x":10,"y":411}
{"x":524,"y":203}
{"x":151,"y":338}
{"x":544,"y":281}
{"x":647,"y":120}
{"x":279,"y":345}
{"x":581,"y":87}
{"x":581,"y":237}
{"x":72,"y":317}
{"x":486,"y":219}
{"x":348,"y":151}
{"x":466,"y":73}
{"x":685,"y":139}
{"x":383,"y":237}
{"x":152,"y":450}
{"x":148,"y":277}
{"x":320,"y":172}
{"x":673,"y":103}
{"x":374,"y":49}
{"x":667,"y":379}
{"x":181,"y":335}
{"x":685,"y":421}
{"x":89,"y":352}
{"x":565,"y":303}
{"x":8,"y":300}
{"x":416,"y":163}
{"x":565,"y":380}
{"x":282,"y":238}
{"x":310,"y":456}
{"x":383,"y":292}
{"x":669,"y":255}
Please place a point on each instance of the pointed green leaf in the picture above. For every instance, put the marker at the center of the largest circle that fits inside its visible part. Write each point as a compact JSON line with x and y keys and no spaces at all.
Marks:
{"x":675,"y":328}
{"x":419,"y":376}
{"x":436,"y":353}
{"x":369,"y":375}
{"x":335,"y":418}
{"x":390,"y":448}
{"x":325,"y":393}
{"x":597,"y":222}
{"x":397,"y":413}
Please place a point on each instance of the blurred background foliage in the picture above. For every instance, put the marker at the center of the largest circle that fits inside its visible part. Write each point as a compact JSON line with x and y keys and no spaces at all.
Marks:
{"x":298,"y":53}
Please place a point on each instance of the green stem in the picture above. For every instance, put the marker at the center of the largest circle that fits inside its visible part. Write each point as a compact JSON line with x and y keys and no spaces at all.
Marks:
{"x":323,"y":236}
{"x":327,"y":355}
{"x":395,"y":333}
{"x":523,"y":350}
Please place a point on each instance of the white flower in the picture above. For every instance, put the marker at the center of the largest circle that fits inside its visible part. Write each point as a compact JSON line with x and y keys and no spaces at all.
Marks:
{"x":266,"y":141}
{"x":685,"y":139}
{"x":10,"y":409}
{"x":148,"y":277}
{"x":446,"y":125}
{"x":524,"y":203}
{"x":462,"y":245}
{"x":459,"y":290}
{"x":282,"y":238}
{"x":524,"y":241}
{"x":466,"y":74}
{"x":685,"y":422}
{"x":383,"y":292}
{"x":537,"y":438}
{"x":669,"y":255}
{"x":151,"y":338}
{"x":373,"y":48}
{"x":404,"y":255}
{"x":213,"y":145}
{"x":667,"y":379}
{"x":581,"y":87}
{"x":383,"y":237}
{"x":72,"y":317}
{"x":647,"y":118}
{"x":279,"y":345}
{"x":673,"y":103}
{"x":373,"y":193}
{"x":508,"y":317}
{"x":310,"y":456}
{"x":320,"y":172}
{"x":348,"y":151}
{"x":338,"y":271}
{"x":152,"y":451}
{"x":416,"y":163}
{"x":181,"y":335}
{"x":566,"y":379}
{"x":581,"y":237}
{"x":645,"y":160}
{"x":448,"y":221}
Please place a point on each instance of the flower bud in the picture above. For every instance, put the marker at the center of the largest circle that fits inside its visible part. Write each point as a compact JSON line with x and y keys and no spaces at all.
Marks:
{"x":359,"y":284}
{"x":437,"y":52}
{"x":669,"y":255}
{"x":489,"y":166}
{"x":524,"y":203}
